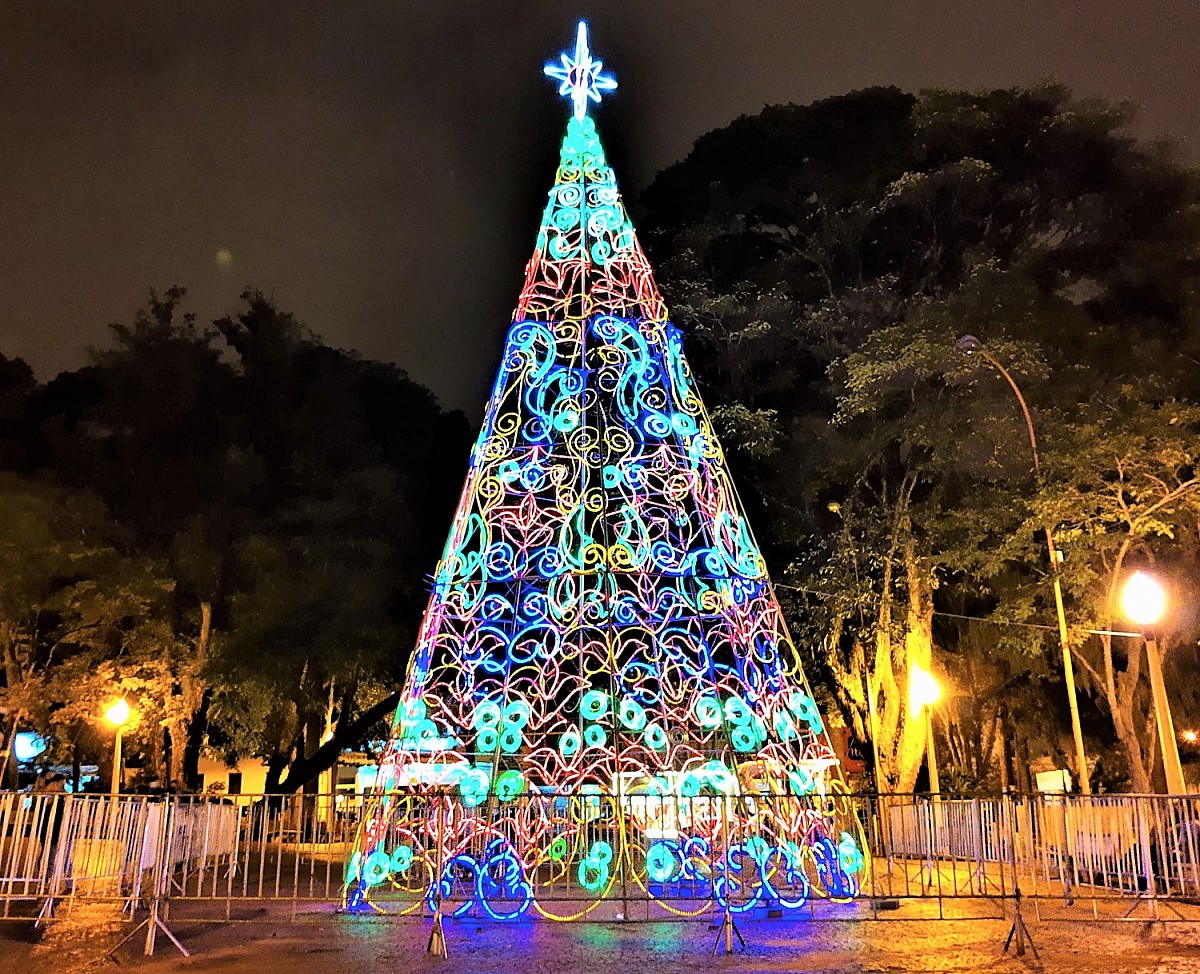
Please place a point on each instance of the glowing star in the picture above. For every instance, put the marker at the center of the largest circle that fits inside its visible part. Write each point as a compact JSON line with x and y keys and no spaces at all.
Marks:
{"x":580,"y":77}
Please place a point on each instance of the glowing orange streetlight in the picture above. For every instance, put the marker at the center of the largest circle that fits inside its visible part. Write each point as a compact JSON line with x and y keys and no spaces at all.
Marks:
{"x":1144,"y":602}
{"x":923,"y":692}
{"x":117,"y":714}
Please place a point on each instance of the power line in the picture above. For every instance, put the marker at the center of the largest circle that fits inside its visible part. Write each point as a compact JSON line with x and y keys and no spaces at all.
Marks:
{"x":985,"y":619}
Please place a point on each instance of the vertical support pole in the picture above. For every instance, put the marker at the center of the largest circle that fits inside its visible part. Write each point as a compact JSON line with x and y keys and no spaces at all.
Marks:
{"x":116,"y":768}
{"x":1162,"y":716}
{"x":1018,"y":932}
{"x":1147,"y":857}
{"x":931,"y":754}
{"x":1066,"y":858}
{"x":728,"y":928}
{"x":1085,"y":782}
{"x":437,"y":935}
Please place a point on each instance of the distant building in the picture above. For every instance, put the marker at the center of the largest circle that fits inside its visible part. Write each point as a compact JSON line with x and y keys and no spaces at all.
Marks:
{"x":249,"y":777}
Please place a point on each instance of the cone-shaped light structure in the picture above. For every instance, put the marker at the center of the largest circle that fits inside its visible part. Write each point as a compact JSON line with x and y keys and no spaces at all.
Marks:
{"x":603,"y":666}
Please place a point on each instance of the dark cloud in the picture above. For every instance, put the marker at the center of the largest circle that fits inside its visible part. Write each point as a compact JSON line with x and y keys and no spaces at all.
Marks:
{"x":380,"y":167}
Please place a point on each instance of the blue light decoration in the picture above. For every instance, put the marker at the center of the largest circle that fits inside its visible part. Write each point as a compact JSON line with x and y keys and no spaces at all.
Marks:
{"x":27,"y":746}
{"x":603,"y":686}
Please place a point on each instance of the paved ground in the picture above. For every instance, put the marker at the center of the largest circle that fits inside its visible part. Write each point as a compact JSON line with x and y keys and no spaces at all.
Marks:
{"x":342,"y":945}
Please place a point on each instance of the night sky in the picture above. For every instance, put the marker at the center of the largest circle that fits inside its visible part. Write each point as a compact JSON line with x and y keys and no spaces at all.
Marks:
{"x":379,"y":168}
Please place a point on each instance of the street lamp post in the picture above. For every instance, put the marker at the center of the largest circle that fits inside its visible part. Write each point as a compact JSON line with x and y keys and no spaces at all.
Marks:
{"x":118,"y":715}
{"x":971,"y":345}
{"x":923,"y":693}
{"x":1144,"y":602}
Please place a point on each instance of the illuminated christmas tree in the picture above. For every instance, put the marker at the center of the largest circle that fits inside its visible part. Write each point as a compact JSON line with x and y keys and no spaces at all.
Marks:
{"x":603,"y":689}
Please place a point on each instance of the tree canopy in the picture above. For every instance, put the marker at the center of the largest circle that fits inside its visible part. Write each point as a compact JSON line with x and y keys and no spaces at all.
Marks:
{"x":229,"y":524}
{"x":824,"y":261}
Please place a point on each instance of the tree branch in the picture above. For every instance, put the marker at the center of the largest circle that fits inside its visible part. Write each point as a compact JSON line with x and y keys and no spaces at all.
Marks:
{"x":303,"y":770}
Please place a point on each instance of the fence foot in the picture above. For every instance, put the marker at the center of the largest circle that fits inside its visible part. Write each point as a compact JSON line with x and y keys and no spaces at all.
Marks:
{"x":437,"y":937}
{"x":725,"y":934}
{"x":1019,"y":933}
{"x":45,"y":913}
{"x":153,"y":924}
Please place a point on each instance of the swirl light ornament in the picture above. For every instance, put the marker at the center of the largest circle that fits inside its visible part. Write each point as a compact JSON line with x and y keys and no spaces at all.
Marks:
{"x":603,"y":696}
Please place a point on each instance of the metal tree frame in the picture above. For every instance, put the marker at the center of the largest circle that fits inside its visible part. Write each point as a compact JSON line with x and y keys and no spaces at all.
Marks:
{"x":603,"y":688}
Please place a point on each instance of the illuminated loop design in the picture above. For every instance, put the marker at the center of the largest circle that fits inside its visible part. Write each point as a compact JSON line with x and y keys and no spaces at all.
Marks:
{"x":603,"y":686}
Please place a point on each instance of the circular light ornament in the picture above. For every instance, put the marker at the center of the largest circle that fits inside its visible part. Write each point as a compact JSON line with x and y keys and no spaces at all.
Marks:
{"x":402,"y":859}
{"x":517,"y":714}
{"x":487,"y":714}
{"x":593,"y":874}
{"x":594,"y":704}
{"x":423,"y":730}
{"x":487,"y":740}
{"x":595,"y":736}
{"x":743,"y":738}
{"x":375,"y":870}
{"x":707,"y":711}
{"x":569,"y":742}
{"x":655,"y":737}
{"x":737,"y":712}
{"x":510,"y":740}
{"x":602,"y":851}
{"x":661,"y":862}
{"x":473,"y":787}
{"x":802,"y":705}
{"x":632,"y":714}
{"x":1143,"y":600}
{"x":509,"y":785}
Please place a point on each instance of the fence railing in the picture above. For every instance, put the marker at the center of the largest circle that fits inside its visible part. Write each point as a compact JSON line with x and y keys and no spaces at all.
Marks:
{"x":211,"y":858}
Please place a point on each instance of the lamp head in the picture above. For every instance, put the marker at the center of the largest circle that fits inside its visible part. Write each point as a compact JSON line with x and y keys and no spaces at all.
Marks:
{"x":968,"y":344}
{"x":923,"y":690}
{"x":1143,"y":600}
{"x":118,"y":713}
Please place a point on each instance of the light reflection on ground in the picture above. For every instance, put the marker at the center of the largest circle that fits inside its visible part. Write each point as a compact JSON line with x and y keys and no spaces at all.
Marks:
{"x":328,"y":944}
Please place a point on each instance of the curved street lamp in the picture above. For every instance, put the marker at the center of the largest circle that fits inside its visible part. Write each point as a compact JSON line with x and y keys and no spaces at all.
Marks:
{"x":971,"y":345}
{"x":1144,"y":602}
{"x":923,"y":692}
{"x":117,"y":714}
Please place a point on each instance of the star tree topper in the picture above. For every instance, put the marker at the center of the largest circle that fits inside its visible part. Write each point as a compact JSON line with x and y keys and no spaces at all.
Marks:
{"x":580,"y":77}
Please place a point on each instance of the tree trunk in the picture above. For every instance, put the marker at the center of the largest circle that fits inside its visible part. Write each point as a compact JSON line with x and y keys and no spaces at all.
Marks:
{"x":879,"y":680}
{"x":918,"y":651}
{"x":1120,"y":693}
{"x":193,"y":691}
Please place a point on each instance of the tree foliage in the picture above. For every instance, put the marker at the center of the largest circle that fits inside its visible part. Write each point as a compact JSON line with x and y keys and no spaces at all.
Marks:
{"x":231,"y":526}
{"x":824,"y":261}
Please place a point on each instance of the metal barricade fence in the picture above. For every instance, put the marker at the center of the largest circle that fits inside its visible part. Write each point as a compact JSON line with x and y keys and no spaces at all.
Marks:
{"x":29,"y":829}
{"x":241,"y":857}
{"x":1143,"y":848}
